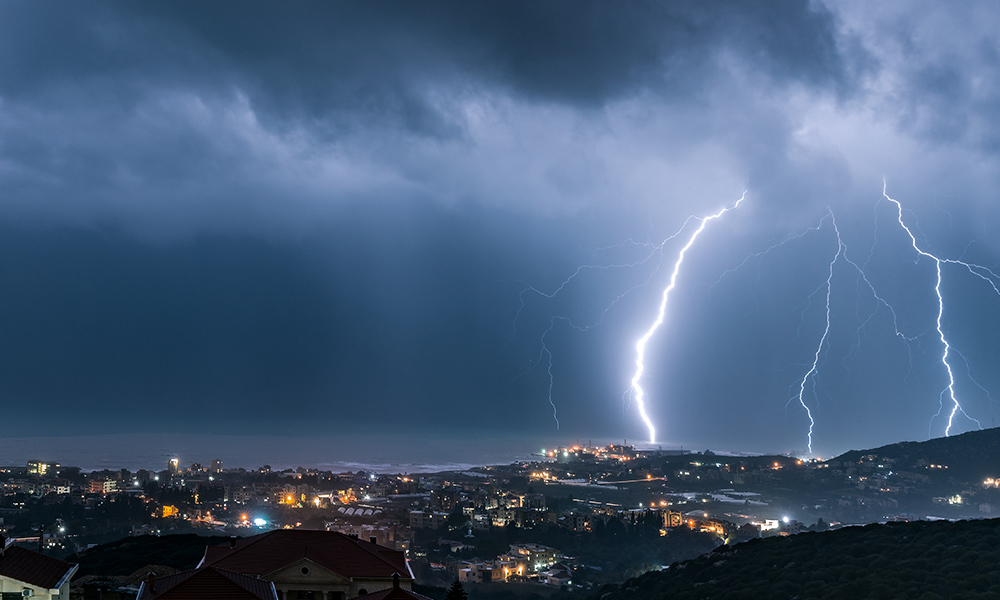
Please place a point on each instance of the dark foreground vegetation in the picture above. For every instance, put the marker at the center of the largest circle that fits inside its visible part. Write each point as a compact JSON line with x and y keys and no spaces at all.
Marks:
{"x":918,"y":560}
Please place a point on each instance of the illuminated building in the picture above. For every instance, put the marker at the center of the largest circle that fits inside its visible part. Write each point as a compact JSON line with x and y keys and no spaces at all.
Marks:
{"x":766,"y":524}
{"x":143,"y":476}
{"x":672,"y":519}
{"x":481,"y":573}
{"x":174,"y":466}
{"x":445,"y":499}
{"x":576,"y":521}
{"x":534,"y":501}
{"x":558,"y":575}
{"x":37,"y":467}
{"x":103,"y":486}
{"x":215,"y":466}
{"x":427,"y":519}
{"x":538,"y":556}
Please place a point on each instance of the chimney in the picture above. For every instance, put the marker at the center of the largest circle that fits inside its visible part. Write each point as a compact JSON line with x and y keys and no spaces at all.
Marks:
{"x":232,"y":542}
{"x":395,"y":581}
{"x":3,"y":543}
{"x":372,"y":539}
{"x":151,"y":582}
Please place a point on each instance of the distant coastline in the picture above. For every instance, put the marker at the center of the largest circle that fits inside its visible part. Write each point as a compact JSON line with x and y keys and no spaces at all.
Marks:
{"x":407,"y":452}
{"x":401,"y":453}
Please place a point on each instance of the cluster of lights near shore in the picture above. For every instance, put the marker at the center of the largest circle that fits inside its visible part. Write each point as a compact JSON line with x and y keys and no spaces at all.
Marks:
{"x":258,"y":521}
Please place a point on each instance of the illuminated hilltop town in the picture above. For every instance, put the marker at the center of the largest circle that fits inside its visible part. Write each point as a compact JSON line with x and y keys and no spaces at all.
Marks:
{"x":549,"y":521}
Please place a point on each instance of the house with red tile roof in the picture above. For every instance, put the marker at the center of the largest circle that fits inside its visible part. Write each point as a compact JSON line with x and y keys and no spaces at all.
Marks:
{"x":313,"y":565}
{"x":207,"y":583}
{"x":28,"y":573}
{"x":396,"y":592}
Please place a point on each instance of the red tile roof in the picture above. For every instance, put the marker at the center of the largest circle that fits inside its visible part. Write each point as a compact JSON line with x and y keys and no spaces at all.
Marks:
{"x":208,"y":583}
{"x":269,"y":552}
{"x":33,"y":568}
{"x":393,"y":594}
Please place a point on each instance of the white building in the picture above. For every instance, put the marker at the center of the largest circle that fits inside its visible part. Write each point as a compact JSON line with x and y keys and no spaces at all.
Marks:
{"x":30,"y":574}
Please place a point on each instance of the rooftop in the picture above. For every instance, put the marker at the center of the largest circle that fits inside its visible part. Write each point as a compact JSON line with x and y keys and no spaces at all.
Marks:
{"x":207,"y":582}
{"x":33,"y":568}
{"x":268,"y":552}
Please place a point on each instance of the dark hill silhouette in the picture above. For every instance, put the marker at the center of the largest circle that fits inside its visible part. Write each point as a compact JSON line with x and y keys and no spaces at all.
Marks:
{"x":971,"y":456}
{"x":921,"y":560}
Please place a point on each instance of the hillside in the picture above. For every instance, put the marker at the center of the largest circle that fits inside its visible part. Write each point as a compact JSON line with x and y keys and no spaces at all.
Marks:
{"x":920,"y":560}
{"x":971,"y":456}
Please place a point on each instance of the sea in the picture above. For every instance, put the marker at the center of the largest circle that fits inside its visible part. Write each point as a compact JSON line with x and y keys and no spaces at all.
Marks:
{"x":405,"y":452}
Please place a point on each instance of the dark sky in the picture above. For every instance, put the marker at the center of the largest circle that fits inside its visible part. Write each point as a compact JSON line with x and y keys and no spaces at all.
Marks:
{"x":253,"y":217}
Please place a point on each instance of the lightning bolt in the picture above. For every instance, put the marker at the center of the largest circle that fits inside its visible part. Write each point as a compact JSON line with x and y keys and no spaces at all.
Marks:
{"x":652,"y":257}
{"x":979,"y":271}
{"x":841,"y":253}
{"x":984,"y":273}
{"x":640,"y":346}
{"x":814,"y":369}
{"x":545,"y":354}
{"x":812,"y":373}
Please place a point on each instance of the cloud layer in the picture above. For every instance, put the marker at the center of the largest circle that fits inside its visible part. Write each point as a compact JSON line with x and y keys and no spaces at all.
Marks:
{"x":337,"y":206}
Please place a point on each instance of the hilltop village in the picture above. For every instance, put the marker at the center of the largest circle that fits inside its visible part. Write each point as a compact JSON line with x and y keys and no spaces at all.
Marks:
{"x":575,"y":517}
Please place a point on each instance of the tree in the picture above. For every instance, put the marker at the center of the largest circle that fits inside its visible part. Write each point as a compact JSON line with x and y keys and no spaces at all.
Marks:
{"x":457,"y":519}
{"x":456,"y":592}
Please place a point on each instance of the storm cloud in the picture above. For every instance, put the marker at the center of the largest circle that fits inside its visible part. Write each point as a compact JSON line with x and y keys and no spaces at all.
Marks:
{"x":337,"y":206}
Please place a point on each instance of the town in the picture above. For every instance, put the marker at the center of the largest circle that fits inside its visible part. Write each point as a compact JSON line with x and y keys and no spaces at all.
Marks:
{"x":576,"y":517}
